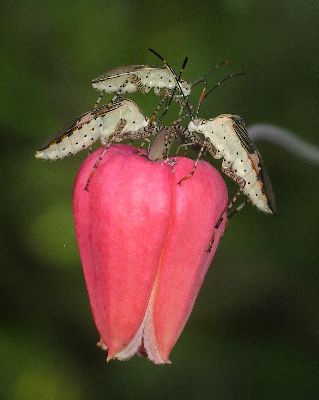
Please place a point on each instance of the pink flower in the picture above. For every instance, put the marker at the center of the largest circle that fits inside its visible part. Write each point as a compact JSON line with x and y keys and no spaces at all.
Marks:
{"x":142,"y":241}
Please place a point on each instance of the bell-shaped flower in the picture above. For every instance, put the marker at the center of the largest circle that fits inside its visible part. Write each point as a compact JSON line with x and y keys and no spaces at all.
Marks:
{"x":143,"y":241}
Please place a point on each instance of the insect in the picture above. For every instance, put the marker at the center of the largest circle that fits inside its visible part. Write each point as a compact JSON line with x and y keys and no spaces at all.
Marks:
{"x":143,"y":78}
{"x":226,"y":137}
{"x":117,"y":120}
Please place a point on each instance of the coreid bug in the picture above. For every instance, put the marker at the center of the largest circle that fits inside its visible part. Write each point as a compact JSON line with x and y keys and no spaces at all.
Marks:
{"x":143,"y":78}
{"x":117,"y":120}
{"x":226,"y":137}
{"x":138,"y":78}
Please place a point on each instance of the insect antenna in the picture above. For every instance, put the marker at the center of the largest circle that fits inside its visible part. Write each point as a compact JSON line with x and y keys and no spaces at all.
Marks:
{"x":224,"y":80}
{"x":177,"y":78}
{"x":200,"y":101}
{"x":185,"y":100}
{"x":204,"y":77}
{"x":204,"y":94}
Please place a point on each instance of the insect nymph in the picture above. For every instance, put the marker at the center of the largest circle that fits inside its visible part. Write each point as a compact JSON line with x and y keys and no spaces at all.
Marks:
{"x":118,"y":119}
{"x":226,"y":137}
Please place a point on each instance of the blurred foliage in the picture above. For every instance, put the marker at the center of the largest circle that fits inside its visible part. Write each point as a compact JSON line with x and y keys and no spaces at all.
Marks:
{"x":254,"y":330}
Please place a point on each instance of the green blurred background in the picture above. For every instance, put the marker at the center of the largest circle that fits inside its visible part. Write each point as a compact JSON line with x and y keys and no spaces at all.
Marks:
{"x":254,"y":331}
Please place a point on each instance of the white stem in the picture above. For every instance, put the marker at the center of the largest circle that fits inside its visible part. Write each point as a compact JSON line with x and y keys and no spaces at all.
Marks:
{"x":285,"y":139}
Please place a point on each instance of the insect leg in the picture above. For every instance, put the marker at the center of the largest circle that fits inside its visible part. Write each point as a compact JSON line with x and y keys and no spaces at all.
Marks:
{"x":169,"y":139}
{"x":156,"y":111}
{"x":237,"y":209}
{"x":216,"y":227}
{"x":202,"y":149}
{"x":143,"y":133}
{"x":230,"y":212}
{"x":136,"y":81}
{"x":141,"y":146}
{"x":185,"y":146}
{"x":98,"y":100}
{"x":146,"y":140}
{"x":116,"y":98}
{"x":182,"y":102}
{"x":114,"y":137}
{"x":241,"y":182}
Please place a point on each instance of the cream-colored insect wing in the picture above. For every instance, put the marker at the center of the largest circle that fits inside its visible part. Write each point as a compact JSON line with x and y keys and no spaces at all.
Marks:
{"x":157,"y":78}
{"x":110,"y":122}
{"x":117,"y":84}
{"x":258,"y":186}
{"x":256,"y":195}
{"x":225,"y":139}
{"x":82,"y":134}
{"x":135,"y":120}
{"x":117,"y":80}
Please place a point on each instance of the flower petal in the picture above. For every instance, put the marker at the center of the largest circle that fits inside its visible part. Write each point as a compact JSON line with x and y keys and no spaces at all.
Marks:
{"x":197,"y":205}
{"x":121,"y":227}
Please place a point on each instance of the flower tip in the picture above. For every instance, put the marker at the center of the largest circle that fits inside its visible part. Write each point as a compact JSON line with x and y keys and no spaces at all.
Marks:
{"x":109,"y":358}
{"x":101,"y":344}
{"x":162,"y":362}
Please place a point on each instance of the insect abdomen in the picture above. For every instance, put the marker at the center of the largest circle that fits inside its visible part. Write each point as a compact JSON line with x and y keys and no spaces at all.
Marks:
{"x":72,"y":142}
{"x":255,"y":191}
